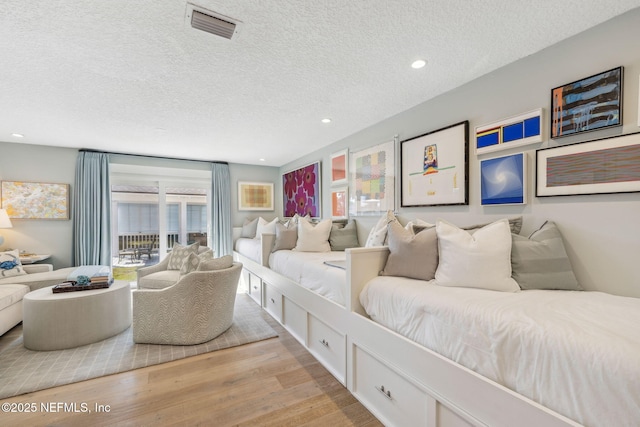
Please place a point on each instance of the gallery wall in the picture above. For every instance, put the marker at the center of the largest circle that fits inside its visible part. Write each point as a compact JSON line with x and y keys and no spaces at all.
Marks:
{"x":600,"y":231}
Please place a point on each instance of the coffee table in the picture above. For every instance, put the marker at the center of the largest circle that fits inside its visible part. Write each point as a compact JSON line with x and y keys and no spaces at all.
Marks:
{"x":71,"y":319}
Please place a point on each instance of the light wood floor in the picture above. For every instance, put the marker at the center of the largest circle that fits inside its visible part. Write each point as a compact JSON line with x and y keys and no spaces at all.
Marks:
{"x":275,"y":382}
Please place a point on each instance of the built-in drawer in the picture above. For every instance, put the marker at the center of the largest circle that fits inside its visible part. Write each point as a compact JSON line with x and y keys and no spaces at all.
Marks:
{"x":392,"y":398}
{"x":273,"y":301}
{"x":254,"y":284}
{"x":294,"y":318}
{"x":328,"y":346}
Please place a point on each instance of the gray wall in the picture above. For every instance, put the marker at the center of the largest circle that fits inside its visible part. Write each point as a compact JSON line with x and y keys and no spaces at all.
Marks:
{"x":601,"y":231}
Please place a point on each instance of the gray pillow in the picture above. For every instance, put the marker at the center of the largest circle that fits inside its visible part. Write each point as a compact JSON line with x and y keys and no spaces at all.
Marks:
{"x":343,"y":236}
{"x":413,"y":256}
{"x":216,"y":263}
{"x":249,"y":228}
{"x":541,"y":262}
{"x":515,"y":224}
{"x":286,"y":236}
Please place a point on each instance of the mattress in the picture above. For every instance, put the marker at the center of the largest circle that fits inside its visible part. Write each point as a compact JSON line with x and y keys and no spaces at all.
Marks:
{"x":251,"y":248}
{"x":577,"y":353}
{"x":310,"y":271}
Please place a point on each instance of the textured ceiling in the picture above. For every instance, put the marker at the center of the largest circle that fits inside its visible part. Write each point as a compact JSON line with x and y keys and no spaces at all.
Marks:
{"x":134,"y":77}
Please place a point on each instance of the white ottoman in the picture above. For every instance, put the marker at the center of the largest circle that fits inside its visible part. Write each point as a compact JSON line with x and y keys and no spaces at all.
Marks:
{"x":71,"y":319}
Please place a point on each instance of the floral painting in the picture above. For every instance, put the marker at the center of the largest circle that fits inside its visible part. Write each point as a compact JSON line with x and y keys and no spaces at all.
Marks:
{"x":301,"y":190}
{"x":35,"y":200}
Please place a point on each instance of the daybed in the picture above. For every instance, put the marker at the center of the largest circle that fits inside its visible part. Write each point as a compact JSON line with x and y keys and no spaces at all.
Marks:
{"x":426,"y":352}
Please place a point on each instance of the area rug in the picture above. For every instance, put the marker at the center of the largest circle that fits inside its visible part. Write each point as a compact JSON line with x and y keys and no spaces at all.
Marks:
{"x":23,"y":371}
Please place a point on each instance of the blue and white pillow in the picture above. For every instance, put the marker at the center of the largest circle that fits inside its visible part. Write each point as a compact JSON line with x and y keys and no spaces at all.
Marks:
{"x":10,"y":264}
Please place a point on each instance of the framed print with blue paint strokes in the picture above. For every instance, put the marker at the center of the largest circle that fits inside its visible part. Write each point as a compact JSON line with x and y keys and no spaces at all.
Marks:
{"x":589,"y":104}
{"x":503,"y":180}
{"x":516,"y":131}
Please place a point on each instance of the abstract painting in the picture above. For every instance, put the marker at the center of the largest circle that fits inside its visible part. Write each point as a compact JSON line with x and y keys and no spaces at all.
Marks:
{"x":255,"y":196}
{"x":35,"y":200}
{"x":339,"y":170}
{"x":301,"y":191}
{"x":608,"y":165}
{"x":339,"y":203}
{"x":503,"y":180}
{"x":515,"y":131}
{"x":373,"y":180}
{"x":588,"y":104}
{"x":434,"y":167}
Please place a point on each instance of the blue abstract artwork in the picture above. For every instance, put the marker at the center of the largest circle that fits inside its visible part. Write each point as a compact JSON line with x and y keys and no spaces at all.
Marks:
{"x":515,"y":131}
{"x":503,"y":180}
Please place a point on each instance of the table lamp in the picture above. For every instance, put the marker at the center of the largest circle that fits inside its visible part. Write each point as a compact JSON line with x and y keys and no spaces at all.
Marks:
{"x":5,"y":222}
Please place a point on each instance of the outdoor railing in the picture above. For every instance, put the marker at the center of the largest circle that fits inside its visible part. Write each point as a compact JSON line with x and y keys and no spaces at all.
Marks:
{"x":137,"y":240}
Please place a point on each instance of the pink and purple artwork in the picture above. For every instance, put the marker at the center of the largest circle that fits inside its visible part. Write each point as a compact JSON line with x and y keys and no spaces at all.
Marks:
{"x":301,"y":190}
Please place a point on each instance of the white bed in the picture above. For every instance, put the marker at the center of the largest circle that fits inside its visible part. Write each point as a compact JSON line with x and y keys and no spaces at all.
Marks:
{"x":576,"y":353}
{"x":310,"y":271}
{"x":251,"y":248}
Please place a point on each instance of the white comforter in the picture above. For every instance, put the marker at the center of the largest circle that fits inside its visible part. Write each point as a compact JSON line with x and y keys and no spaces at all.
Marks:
{"x":251,"y":248}
{"x":577,"y":353}
{"x":309,"y":270}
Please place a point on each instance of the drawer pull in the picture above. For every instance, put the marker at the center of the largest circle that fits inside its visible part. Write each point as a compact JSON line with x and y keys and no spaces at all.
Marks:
{"x":386,"y":393}
{"x":324,"y":342}
{"x":272,"y":300}
{"x":255,"y":287}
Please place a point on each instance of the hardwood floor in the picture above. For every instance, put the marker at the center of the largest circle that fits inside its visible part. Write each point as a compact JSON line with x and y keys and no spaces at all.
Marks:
{"x":274,"y":382}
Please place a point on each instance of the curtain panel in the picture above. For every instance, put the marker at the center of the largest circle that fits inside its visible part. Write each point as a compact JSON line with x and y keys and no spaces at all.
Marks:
{"x":92,"y":210}
{"x":221,"y":238}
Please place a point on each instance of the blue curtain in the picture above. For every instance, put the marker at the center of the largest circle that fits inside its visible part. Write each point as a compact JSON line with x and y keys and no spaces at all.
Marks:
{"x":221,"y":238}
{"x":92,"y":210}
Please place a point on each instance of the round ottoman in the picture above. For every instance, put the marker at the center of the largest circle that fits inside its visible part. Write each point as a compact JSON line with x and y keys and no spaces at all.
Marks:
{"x":71,"y":319}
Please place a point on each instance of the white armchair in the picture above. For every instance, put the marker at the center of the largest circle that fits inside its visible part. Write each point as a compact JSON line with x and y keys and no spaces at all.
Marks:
{"x":157,"y":276}
{"x":196,"y":309}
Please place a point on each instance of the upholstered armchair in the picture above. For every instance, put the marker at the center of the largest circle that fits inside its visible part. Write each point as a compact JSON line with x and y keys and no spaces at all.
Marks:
{"x":196,"y":309}
{"x":158,"y":276}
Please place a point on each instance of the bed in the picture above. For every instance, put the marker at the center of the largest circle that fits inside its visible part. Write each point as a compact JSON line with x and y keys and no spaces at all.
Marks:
{"x":250,"y":248}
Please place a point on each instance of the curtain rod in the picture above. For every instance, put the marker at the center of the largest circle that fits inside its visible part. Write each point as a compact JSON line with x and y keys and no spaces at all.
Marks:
{"x":90,"y":150}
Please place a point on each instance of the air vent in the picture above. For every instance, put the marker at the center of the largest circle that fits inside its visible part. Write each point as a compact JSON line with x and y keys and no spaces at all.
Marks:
{"x":212,"y":22}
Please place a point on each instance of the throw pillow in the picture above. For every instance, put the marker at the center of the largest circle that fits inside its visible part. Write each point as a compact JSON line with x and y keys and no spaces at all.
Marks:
{"x":412,"y":255}
{"x":10,"y":264}
{"x":216,"y":263}
{"x":478,"y":260}
{"x":249,"y":228}
{"x":286,"y":236}
{"x":265,"y":227}
{"x":180,"y":253}
{"x":378,"y":234}
{"x":417,"y":225}
{"x":515,"y":224}
{"x":313,"y":237}
{"x":343,"y":236}
{"x":541,"y":262}
{"x":190,"y":264}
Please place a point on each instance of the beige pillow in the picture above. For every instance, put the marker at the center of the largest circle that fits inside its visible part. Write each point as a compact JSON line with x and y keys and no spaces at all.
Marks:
{"x":216,"y":263}
{"x":180,"y":253}
{"x":286,"y":236}
{"x":193,"y":261}
{"x":411,"y":255}
{"x":314,"y":238}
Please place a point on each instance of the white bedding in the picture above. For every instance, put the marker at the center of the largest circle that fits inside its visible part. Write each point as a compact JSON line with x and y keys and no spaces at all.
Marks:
{"x":251,"y":248}
{"x":577,"y":353}
{"x":308,"y":270}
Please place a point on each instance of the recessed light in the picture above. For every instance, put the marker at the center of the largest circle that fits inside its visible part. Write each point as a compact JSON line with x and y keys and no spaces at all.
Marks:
{"x":17,"y":135}
{"x":418,"y":64}
{"x":326,"y":120}
{"x":262,"y":160}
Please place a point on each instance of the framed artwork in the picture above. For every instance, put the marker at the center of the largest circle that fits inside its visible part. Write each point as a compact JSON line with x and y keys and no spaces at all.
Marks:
{"x":516,"y":131}
{"x":301,"y":191}
{"x":434,"y":168}
{"x":339,"y":169}
{"x":372,"y":180}
{"x":255,"y":196}
{"x":339,"y":202}
{"x":35,"y":200}
{"x":608,"y":165}
{"x":503,"y":180}
{"x":589,"y":104}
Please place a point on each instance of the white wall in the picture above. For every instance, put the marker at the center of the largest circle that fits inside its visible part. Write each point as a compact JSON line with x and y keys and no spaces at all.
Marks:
{"x":602,"y":232}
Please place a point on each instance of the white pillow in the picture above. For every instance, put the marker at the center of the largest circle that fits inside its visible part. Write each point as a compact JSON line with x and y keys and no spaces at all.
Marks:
{"x":481,"y":260}
{"x":314,"y":238}
{"x":378,"y":234}
{"x":417,"y":222}
{"x":265,"y":227}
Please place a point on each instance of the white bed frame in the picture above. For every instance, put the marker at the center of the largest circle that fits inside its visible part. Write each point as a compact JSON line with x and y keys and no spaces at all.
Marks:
{"x":399,"y":381}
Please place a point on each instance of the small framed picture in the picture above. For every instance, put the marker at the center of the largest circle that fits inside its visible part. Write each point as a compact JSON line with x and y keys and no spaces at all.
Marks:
{"x":339,"y":202}
{"x":255,"y":196}
{"x":339,"y":169}
{"x":503,"y":180}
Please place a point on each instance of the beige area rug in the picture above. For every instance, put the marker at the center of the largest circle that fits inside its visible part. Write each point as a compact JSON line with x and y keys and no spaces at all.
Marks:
{"x":23,"y":371}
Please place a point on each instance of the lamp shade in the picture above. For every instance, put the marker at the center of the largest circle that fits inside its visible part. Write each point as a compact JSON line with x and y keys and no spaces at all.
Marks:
{"x":5,"y":222}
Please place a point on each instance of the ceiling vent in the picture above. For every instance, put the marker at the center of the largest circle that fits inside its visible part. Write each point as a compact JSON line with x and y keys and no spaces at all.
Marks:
{"x":211,"y":22}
